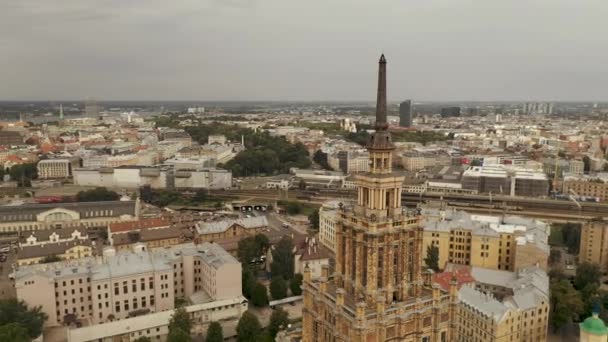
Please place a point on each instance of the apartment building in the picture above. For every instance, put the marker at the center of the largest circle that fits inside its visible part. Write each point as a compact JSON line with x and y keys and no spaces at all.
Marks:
{"x":349,"y":161}
{"x":328,"y":219}
{"x":414,"y":161}
{"x":593,"y":247}
{"x":152,"y":232}
{"x":56,"y":168}
{"x":128,"y":284}
{"x":504,"y":243}
{"x":587,"y":185}
{"x":505,"y":306}
{"x":218,"y":230}
{"x":576,"y":167}
{"x":28,"y":217}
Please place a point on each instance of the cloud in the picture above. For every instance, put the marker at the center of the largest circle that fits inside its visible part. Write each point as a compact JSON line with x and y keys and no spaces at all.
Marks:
{"x":302,"y":50}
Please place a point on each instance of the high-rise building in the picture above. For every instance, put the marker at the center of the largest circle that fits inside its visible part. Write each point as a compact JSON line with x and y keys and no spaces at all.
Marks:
{"x":405,"y":114}
{"x":377,"y":292}
{"x":593,"y":247}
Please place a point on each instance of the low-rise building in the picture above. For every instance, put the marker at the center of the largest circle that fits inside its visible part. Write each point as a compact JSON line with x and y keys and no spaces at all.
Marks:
{"x":506,"y":180}
{"x":152,"y":232}
{"x":66,"y":250}
{"x":595,"y":186}
{"x":218,"y":230}
{"x":56,"y":168}
{"x":42,"y":237}
{"x":28,"y":217}
{"x":308,"y":252}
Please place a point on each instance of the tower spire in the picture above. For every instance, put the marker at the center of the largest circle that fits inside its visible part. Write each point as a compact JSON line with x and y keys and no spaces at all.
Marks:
{"x":381,"y":123}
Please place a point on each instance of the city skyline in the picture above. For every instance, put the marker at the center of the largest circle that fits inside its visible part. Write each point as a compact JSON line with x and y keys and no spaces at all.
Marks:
{"x":260,"y":51}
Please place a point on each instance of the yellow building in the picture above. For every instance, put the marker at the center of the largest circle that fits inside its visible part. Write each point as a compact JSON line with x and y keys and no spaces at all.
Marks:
{"x":219,"y":230}
{"x":69,"y":250}
{"x":504,"y":243}
{"x":588,"y":186}
{"x":594,"y":243}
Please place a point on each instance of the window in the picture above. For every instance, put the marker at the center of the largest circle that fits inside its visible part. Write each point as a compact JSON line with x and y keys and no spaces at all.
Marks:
{"x":152,"y":300}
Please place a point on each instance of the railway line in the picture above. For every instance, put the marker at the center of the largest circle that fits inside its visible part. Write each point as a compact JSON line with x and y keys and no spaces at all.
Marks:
{"x":558,"y":210}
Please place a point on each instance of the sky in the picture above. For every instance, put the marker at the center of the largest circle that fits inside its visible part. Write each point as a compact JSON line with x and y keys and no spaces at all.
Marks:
{"x":303,"y":50}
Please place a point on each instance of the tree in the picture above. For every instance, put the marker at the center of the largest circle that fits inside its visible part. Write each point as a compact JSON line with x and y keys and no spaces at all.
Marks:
{"x":23,"y":174}
{"x":180,"y":320}
{"x":50,"y":258}
{"x":97,"y":195}
{"x":247,"y":281}
{"x":178,"y":335}
{"x":283,"y":259}
{"x":555,"y":256}
{"x":200,"y":196}
{"x":313,"y":218}
{"x":566,"y":304}
{"x":14,"y":332}
{"x":143,"y":339}
{"x":321,"y":158}
{"x":214,"y":333}
{"x":295,"y":284}
{"x":293,"y":208}
{"x":278,"y":321}
{"x":571,"y":235}
{"x":302,"y":184}
{"x":15,"y":311}
{"x":586,"y":274}
{"x":586,"y":164}
{"x":248,"y":329}
{"x":278,"y":288}
{"x":432,"y":258}
{"x":251,"y":247}
{"x":259,"y":296}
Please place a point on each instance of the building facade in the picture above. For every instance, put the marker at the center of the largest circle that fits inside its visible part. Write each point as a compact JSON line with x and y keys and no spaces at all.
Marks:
{"x":56,"y":168}
{"x":218,"y":230}
{"x":124,"y":285}
{"x":594,"y":243}
{"x":405,"y":114}
{"x":328,"y":219}
{"x":587,"y":186}
{"x":505,"y":243}
{"x":29,"y":217}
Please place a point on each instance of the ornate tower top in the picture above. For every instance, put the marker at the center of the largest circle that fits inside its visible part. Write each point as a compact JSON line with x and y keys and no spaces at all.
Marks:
{"x":380,"y":143}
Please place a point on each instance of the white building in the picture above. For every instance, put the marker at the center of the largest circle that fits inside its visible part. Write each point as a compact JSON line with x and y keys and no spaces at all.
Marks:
{"x":328,"y":218}
{"x":55,"y":168}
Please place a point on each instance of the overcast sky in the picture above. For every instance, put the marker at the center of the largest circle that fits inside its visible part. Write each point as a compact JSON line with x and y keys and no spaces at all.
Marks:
{"x":303,"y":49}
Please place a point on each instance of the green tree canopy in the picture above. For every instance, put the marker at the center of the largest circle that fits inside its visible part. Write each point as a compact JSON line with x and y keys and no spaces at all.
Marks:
{"x":200,"y":196}
{"x":247,"y":281}
{"x":566,"y":304}
{"x":143,"y":339}
{"x":180,"y":320}
{"x":295,"y":284}
{"x":178,"y":335}
{"x":97,"y":195}
{"x":23,"y":174}
{"x":252,"y":247}
{"x":278,"y":321}
{"x":283,"y":258}
{"x":248,"y":329}
{"x":259,"y":296}
{"x":14,"y":332}
{"x":586,"y":274}
{"x":214,"y":333}
{"x":14,"y":311}
{"x":278,"y":288}
{"x":432,"y":258}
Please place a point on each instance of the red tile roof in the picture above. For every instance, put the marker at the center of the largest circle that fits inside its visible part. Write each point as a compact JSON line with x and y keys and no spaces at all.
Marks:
{"x":462,"y":275}
{"x":137,"y":225}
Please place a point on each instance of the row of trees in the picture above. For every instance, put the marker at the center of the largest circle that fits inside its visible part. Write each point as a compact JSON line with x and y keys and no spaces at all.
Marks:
{"x":18,"y":322}
{"x":249,"y":328}
{"x":23,"y":174}
{"x":97,"y":195}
